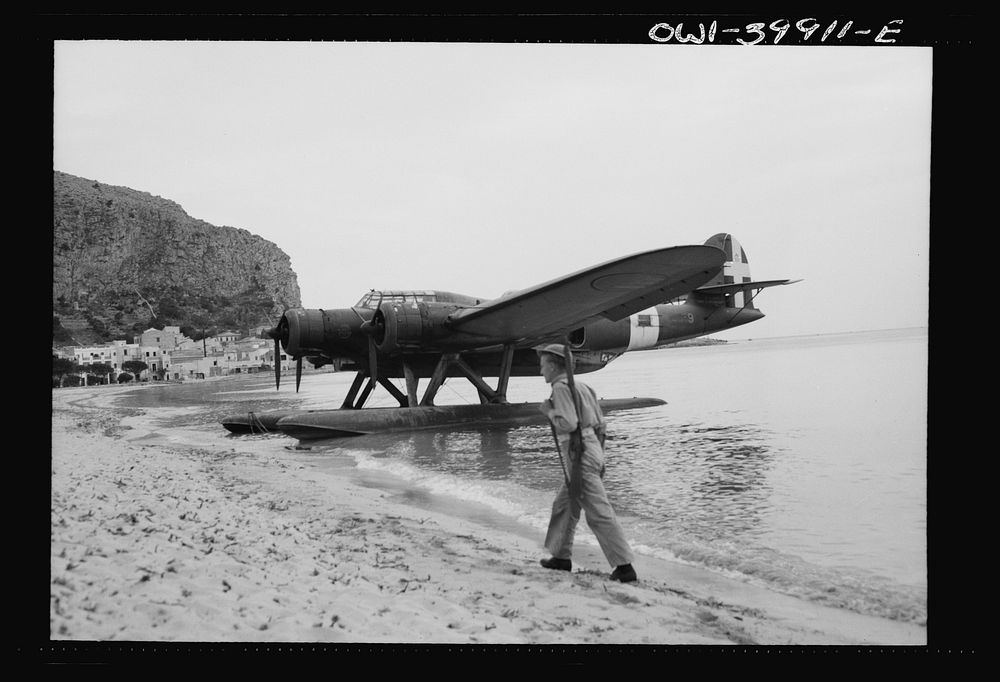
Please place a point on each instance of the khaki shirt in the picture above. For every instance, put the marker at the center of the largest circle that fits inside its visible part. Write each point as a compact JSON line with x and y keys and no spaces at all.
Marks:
{"x":563,"y":413}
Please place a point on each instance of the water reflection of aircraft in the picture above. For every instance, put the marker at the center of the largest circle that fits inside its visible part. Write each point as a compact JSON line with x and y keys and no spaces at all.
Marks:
{"x":482,"y":453}
{"x":637,"y":302}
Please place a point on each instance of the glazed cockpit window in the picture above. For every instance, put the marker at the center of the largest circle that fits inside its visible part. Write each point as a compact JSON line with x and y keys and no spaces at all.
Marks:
{"x":371,"y":299}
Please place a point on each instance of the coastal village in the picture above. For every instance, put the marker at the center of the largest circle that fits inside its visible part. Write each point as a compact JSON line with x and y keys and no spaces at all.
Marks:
{"x":169,"y":355}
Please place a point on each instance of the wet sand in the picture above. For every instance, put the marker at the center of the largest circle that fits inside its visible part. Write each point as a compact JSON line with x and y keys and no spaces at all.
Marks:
{"x":155,"y":542}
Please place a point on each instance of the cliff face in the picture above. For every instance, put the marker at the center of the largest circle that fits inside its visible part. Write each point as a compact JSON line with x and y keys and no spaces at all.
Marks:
{"x":125,"y":260}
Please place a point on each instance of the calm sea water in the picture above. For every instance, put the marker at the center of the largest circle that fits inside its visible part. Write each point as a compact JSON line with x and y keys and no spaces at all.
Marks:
{"x":797,"y":462}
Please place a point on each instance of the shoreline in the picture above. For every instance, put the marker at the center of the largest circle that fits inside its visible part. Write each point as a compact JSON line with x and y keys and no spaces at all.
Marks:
{"x":160,"y":542}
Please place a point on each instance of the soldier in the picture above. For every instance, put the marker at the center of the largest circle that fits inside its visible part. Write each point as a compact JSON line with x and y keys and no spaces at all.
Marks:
{"x":584,"y":487}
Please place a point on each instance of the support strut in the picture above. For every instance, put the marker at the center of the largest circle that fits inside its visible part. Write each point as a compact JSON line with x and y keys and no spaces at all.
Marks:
{"x":486,"y":393}
{"x":411,"y":385}
{"x":437,"y":379}
{"x":356,"y":396}
{"x":506,"y":364}
{"x":359,"y":379}
{"x":748,"y":302}
{"x":733,"y":317}
{"x":396,"y":393}
{"x":353,"y":401}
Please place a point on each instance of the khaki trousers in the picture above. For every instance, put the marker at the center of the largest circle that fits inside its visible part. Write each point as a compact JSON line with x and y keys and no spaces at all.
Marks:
{"x":593,"y":500}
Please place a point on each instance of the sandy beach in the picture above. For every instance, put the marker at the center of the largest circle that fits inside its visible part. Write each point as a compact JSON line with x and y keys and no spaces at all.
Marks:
{"x":154,"y":542}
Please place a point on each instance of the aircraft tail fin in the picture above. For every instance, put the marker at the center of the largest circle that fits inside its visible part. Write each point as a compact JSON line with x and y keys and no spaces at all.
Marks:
{"x":735,"y":269}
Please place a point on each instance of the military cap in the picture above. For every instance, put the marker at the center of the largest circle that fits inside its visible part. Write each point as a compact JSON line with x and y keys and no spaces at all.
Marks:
{"x":553,"y":348}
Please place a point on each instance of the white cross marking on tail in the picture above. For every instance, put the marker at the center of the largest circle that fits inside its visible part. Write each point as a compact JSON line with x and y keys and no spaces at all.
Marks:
{"x":738,"y":269}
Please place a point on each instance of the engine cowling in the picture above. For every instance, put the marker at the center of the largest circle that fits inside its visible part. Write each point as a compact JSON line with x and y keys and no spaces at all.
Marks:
{"x":301,"y":330}
{"x":305,"y":331}
{"x":409,"y":326}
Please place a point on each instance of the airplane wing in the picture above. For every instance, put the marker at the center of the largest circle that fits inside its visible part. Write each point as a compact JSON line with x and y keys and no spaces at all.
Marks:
{"x":724,"y":289}
{"x":614,"y":290}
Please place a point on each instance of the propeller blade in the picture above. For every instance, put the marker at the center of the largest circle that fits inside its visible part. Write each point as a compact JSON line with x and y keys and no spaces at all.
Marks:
{"x":298,"y":373}
{"x":368,"y":326}
{"x":371,"y":329}
{"x":372,"y":358}
{"x":277,"y":363}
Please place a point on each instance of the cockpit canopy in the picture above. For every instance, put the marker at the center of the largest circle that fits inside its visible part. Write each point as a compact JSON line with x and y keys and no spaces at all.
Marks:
{"x":371,"y":299}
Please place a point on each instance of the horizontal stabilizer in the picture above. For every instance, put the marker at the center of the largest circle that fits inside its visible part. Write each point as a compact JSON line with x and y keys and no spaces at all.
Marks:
{"x":726,"y":289}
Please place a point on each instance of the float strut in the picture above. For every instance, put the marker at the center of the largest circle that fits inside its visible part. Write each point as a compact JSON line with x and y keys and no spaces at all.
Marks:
{"x":396,"y":393}
{"x":487,"y":394}
{"x":411,"y":385}
{"x":506,"y":363}
{"x":437,"y":379}
{"x":353,"y":391}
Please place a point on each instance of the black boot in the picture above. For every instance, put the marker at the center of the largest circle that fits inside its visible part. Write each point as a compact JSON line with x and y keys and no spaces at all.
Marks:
{"x":557,"y":564}
{"x":624,"y":573}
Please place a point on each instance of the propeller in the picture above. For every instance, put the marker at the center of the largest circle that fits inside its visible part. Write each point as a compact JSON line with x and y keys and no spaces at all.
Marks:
{"x":298,"y":372}
{"x":278,"y":333}
{"x":371,"y":328}
{"x":277,"y":362}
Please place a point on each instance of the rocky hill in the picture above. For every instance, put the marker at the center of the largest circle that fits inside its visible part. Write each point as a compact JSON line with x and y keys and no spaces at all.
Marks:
{"x":124,"y":261}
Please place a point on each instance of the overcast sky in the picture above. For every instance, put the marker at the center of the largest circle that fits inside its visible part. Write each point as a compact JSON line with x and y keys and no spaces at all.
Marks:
{"x":479,"y":168}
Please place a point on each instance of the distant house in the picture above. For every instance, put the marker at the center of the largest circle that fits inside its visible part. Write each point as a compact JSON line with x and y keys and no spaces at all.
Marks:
{"x":157,"y":359}
{"x":249,"y":354}
{"x":65,"y":352}
{"x":194,"y":364}
{"x":188,"y":344}
{"x":115,"y":354}
{"x":166,"y":338}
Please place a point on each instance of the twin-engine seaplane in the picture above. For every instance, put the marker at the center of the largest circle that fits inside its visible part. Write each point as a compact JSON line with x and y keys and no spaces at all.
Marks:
{"x":637,"y":302}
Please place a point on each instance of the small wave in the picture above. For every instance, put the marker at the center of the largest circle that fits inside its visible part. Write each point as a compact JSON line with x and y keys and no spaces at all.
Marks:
{"x":494,"y":495}
{"x":848,"y":589}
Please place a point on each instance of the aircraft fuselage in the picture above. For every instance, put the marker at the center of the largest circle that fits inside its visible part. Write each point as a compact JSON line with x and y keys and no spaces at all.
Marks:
{"x":421,"y":335}
{"x":661,"y":325}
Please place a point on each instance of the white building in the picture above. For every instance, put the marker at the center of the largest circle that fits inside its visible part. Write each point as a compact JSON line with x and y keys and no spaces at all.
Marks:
{"x":115,"y":354}
{"x":195,"y":364}
{"x":227,"y":337}
{"x":157,"y":359}
{"x":166,"y":338}
{"x":250,"y":354}
{"x":170,"y":354}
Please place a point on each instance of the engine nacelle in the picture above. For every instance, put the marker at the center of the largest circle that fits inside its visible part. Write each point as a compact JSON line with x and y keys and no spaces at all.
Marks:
{"x":302,"y":331}
{"x":314,"y":331}
{"x":602,"y":335}
{"x":409,"y":326}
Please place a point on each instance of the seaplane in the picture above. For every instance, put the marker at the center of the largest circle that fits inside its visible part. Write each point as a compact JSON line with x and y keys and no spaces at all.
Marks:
{"x":637,"y":302}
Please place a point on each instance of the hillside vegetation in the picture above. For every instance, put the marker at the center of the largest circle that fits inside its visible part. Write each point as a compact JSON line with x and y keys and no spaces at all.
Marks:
{"x":125,"y":261}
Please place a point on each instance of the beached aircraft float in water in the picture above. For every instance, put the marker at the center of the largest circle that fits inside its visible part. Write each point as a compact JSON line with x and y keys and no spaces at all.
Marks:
{"x":637,"y":302}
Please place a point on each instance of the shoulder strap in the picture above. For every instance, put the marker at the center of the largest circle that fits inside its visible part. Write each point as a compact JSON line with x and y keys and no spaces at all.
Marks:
{"x":574,"y":395}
